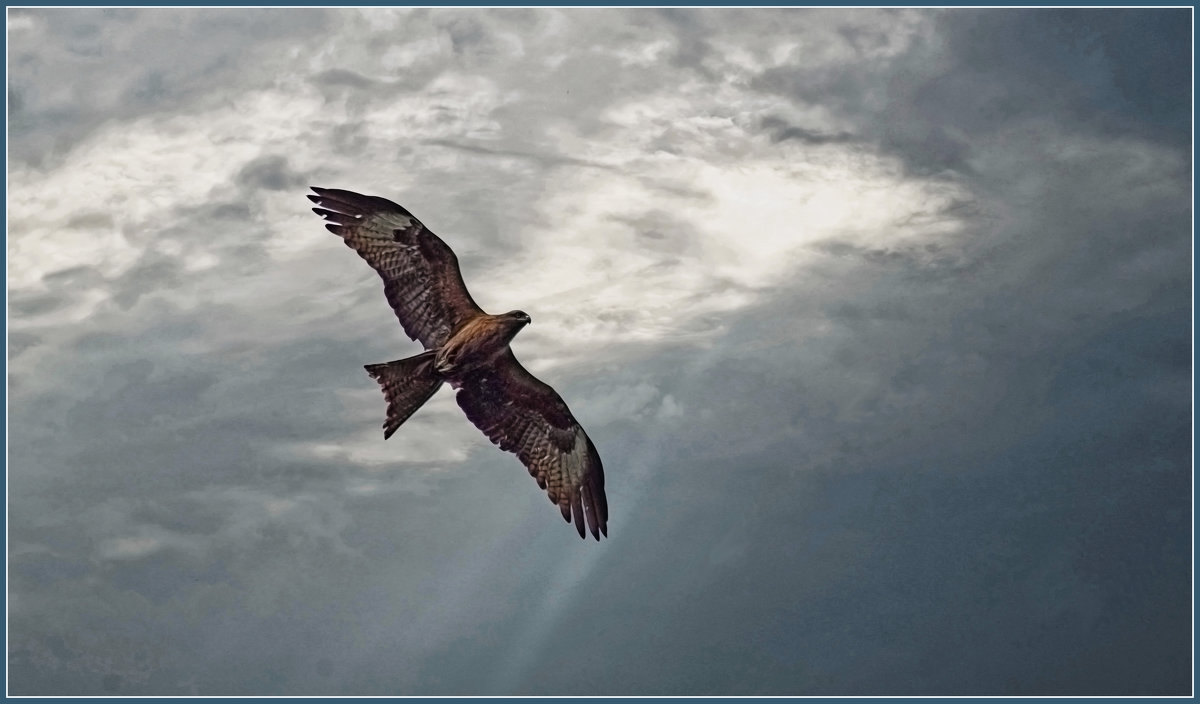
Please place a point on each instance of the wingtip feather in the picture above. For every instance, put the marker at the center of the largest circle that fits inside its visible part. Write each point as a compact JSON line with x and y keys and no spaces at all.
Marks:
{"x":577,"y":509}
{"x":589,"y":507}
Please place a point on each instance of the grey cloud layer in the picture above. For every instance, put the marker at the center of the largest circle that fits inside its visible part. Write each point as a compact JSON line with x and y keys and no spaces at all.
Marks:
{"x":946,"y":464}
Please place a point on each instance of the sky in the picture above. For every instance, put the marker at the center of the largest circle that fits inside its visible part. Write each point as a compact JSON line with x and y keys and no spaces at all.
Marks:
{"x":879,"y":319}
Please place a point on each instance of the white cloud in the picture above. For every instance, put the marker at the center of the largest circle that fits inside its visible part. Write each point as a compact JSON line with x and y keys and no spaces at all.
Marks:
{"x":19,"y":23}
{"x":132,"y":548}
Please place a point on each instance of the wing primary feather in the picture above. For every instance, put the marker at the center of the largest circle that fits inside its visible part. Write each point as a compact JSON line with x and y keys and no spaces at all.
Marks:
{"x":334,"y":216}
{"x":577,"y":509}
{"x":601,"y":505}
{"x":589,"y":505}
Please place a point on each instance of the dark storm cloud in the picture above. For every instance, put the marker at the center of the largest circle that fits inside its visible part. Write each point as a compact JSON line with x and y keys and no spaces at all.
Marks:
{"x":781,"y":131}
{"x":659,"y":230}
{"x":30,"y":306}
{"x":545,"y":159}
{"x":1115,"y":71}
{"x":691,"y":46}
{"x":384,"y":86}
{"x":270,"y":171}
{"x":19,"y":342}
{"x":343,"y":77}
{"x":152,"y":274}
{"x":90,"y":221}
{"x":999,"y":71}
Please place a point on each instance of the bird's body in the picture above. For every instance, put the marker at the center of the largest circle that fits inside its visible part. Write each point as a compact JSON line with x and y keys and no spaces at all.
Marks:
{"x":477,"y":343}
{"x":468,"y":349}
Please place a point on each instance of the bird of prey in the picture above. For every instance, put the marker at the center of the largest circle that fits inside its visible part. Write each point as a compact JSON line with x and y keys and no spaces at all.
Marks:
{"x":467,"y":349}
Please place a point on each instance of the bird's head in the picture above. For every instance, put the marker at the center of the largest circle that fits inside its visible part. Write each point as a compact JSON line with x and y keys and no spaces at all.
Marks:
{"x":519,"y":316}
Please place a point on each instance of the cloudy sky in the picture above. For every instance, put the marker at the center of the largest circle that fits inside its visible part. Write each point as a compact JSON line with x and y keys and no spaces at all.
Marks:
{"x":880,"y":320}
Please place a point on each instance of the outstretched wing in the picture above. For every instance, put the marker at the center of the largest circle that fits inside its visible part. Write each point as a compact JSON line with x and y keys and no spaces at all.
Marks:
{"x":421,"y":279}
{"x":526,"y":417}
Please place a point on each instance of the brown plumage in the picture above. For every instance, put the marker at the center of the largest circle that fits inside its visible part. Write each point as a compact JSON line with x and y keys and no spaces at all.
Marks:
{"x":468,"y":349}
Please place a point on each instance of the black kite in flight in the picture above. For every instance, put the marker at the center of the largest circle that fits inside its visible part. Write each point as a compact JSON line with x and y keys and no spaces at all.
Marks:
{"x":468,"y":349}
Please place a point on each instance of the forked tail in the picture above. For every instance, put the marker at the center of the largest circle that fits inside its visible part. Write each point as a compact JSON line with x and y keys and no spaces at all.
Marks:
{"x":407,"y":384}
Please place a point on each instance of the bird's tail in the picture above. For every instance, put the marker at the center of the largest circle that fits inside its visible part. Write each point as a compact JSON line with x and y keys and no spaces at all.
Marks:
{"x":407,"y":384}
